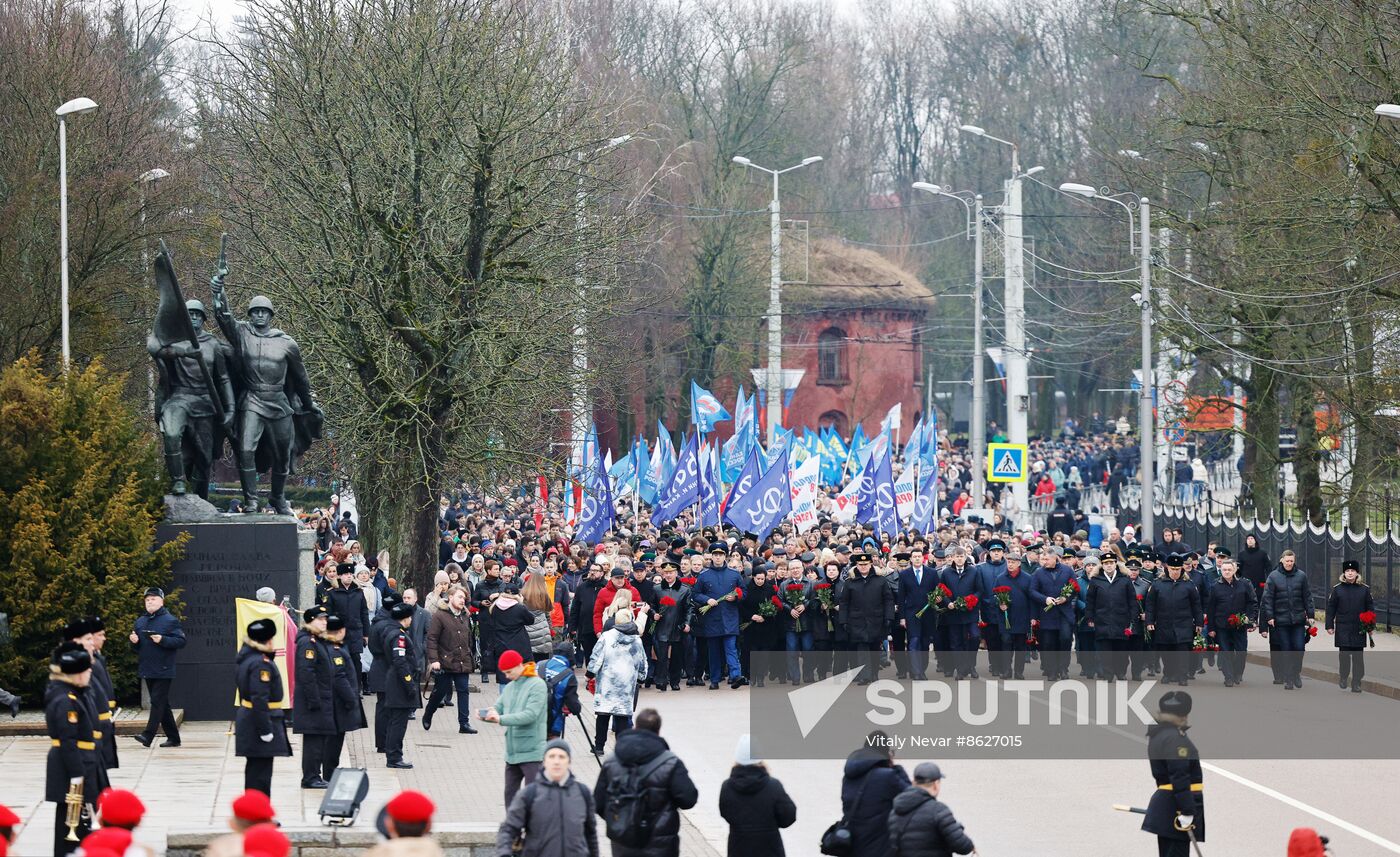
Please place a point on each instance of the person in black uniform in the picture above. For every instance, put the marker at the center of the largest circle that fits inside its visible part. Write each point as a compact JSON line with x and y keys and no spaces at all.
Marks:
{"x":106,"y":698}
{"x":401,"y":694}
{"x":79,"y":631}
{"x":260,"y":733}
{"x":867,"y":608}
{"x":1174,"y":618}
{"x":1111,"y":611}
{"x":380,"y":629}
{"x":313,"y":706}
{"x":1347,"y":601}
{"x":73,"y":756}
{"x":349,"y":709}
{"x":1178,"y":805}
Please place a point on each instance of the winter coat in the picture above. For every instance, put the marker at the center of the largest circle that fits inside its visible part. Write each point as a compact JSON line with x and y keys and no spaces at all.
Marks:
{"x":868,"y":817}
{"x":1023,"y":607}
{"x":670,"y":621}
{"x":605,"y":597}
{"x":1111,"y":605}
{"x":349,"y":709}
{"x":723,"y":619}
{"x":313,"y":702}
{"x":260,"y":705}
{"x":418,"y":632}
{"x":1175,"y":763}
{"x":923,"y":826}
{"x":481,"y":593}
{"x":538,"y":631}
{"x":510,"y":627}
{"x":553,"y":819}
{"x":1345,"y":604}
{"x":827,"y":624}
{"x":867,"y":607}
{"x":619,"y":663}
{"x":756,"y":807}
{"x":349,"y":604}
{"x":1049,"y":583}
{"x":1227,"y":599}
{"x":766,"y":635}
{"x":449,"y":641}
{"x":1255,"y":565}
{"x":1286,"y":598}
{"x":989,"y":572}
{"x":375,"y":643}
{"x":72,"y":752}
{"x":157,"y":660}
{"x":964,"y":583}
{"x":524,"y":708}
{"x":1174,"y":610}
{"x":786,"y":622}
{"x":669,"y":790}
{"x":581,"y":608}
{"x":401,"y":671}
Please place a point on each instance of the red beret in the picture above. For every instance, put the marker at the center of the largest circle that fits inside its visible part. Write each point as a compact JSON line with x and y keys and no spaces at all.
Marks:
{"x":509,"y":660}
{"x":113,"y":839}
{"x":253,"y":805}
{"x":412,"y":807}
{"x":512,"y":563}
{"x":265,"y":840}
{"x":599,"y":549}
{"x":120,"y":808}
{"x":8,"y":817}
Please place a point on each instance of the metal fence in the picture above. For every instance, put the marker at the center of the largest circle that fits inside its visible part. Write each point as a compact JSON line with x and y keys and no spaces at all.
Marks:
{"x":1320,"y":550}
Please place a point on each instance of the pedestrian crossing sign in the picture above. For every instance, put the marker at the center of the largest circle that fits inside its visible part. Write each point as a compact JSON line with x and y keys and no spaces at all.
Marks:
{"x":1006,"y":462}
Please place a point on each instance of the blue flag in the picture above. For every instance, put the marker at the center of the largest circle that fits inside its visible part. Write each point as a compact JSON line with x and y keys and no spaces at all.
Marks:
{"x":709,"y":489}
{"x":885,"y":517}
{"x":925,"y":504}
{"x":865,"y":497}
{"x":766,"y":504}
{"x":705,"y":409}
{"x":747,"y":477}
{"x":598,"y":513}
{"x":683,"y":488}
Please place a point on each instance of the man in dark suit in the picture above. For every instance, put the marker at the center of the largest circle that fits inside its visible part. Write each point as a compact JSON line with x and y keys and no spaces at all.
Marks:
{"x":915,"y":584}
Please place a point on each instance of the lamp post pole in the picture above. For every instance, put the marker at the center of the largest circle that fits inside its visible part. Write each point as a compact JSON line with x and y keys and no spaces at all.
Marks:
{"x":1146,"y":436}
{"x":76,"y":105}
{"x":774,"y":374}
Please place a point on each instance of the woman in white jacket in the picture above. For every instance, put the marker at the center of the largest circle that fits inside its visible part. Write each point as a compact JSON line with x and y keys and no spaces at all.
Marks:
{"x":618,"y":666}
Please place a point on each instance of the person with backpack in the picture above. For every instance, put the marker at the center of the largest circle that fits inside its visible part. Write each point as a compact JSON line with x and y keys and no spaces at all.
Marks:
{"x":562,"y":683}
{"x":641,"y":790}
{"x":553,"y":815}
{"x":755,"y":805}
{"x":920,"y":825}
{"x":869,"y":785}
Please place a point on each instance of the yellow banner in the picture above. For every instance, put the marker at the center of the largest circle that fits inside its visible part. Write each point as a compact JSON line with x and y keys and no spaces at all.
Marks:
{"x":246,"y":610}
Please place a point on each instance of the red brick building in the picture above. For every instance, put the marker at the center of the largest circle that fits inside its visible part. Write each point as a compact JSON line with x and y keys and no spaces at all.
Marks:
{"x":855,"y":328}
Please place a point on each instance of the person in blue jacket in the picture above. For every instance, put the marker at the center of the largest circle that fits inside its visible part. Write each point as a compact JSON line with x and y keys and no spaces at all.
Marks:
{"x":915,"y":584}
{"x":156,"y":638}
{"x":960,"y":578}
{"x":990,"y":569}
{"x":1015,"y":618}
{"x":719,"y":625}
{"x":1057,"y":615}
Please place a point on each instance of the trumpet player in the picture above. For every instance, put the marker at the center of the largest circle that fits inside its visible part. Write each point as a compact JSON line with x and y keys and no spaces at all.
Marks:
{"x":73,"y":765}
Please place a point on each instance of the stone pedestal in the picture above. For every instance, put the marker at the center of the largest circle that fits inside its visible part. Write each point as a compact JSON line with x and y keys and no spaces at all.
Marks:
{"x":227,"y":557}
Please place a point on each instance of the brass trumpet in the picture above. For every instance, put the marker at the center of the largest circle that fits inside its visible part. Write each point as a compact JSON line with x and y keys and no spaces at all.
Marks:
{"x":74,"y":801}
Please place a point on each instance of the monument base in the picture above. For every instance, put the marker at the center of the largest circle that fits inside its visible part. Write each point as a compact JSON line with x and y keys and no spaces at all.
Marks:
{"x":229,"y":556}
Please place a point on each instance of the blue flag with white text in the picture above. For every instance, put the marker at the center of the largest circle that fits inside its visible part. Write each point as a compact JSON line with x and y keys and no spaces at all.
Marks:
{"x":766,"y":504}
{"x":597,"y":515}
{"x":683,"y":488}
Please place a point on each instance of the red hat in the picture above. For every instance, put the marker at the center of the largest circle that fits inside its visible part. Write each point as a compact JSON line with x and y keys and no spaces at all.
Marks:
{"x":599,"y":549}
{"x":115,"y":839}
{"x":120,"y":808}
{"x":512,"y":563}
{"x":1304,"y":842}
{"x":509,"y":660}
{"x":412,"y":807}
{"x":253,"y":806}
{"x":8,"y":817}
{"x":265,"y":840}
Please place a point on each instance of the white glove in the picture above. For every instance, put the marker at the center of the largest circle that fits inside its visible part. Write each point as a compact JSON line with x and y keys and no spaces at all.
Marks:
{"x":266,"y":739}
{"x":1184,"y":822}
{"x":75,"y":779}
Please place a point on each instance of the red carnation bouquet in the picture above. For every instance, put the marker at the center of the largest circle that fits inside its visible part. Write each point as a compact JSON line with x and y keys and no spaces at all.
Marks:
{"x":1368,"y":625}
{"x":1239,"y":620}
{"x":733,"y":596}
{"x":1198,"y":644}
{"x":935,"y":598}
{"x":767,"y":608}
{"x":1003,"y":596}
{"x":1069,"y":590}
{"x":1312,"y":630}
{"x":473,"y":610}
{"x":666,"y":601}
{"x":827,"y":596}
{"x":688,"y":581}
{"x":967,"y":602}
{"x":795,"y":594}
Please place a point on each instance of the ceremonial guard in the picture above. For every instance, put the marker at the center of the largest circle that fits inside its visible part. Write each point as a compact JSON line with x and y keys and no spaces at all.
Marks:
{"x":1174,"y":617}
{"x":74,"y":766}
{"x":1348,"y":606}
{"x":313,"y":705}
{"x":94,"y":700}
{"x":349,"y":706}
{"x":105,"y":693}
{"x":1176,"y":812}
{"x":260,"y":733}
{"x":401,"y":694}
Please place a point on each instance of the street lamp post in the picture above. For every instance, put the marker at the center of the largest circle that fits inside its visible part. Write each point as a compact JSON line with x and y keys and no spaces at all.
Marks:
{"x":1146,"y":436}
{"x":579,"y":408}
{"x":775,"y":299}
{"x":76,"y":106}
{"x":148,"y":177}
{"x":977,"y":433}
{"x":1014,"y":300}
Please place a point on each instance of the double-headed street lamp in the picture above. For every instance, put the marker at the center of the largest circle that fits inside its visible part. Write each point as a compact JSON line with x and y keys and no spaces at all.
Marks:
{"x":977,"y":434}
{"x":68,"y":108}
{"x":775,"y":299}
{"x":1146,"y":437}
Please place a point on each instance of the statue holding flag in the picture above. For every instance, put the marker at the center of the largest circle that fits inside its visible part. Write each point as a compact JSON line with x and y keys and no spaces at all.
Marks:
{"x":194,"y":396}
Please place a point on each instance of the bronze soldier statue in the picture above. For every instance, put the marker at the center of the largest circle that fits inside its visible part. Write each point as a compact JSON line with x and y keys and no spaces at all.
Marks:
{"x":185,"y":409}
{"x":276,"y":416}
